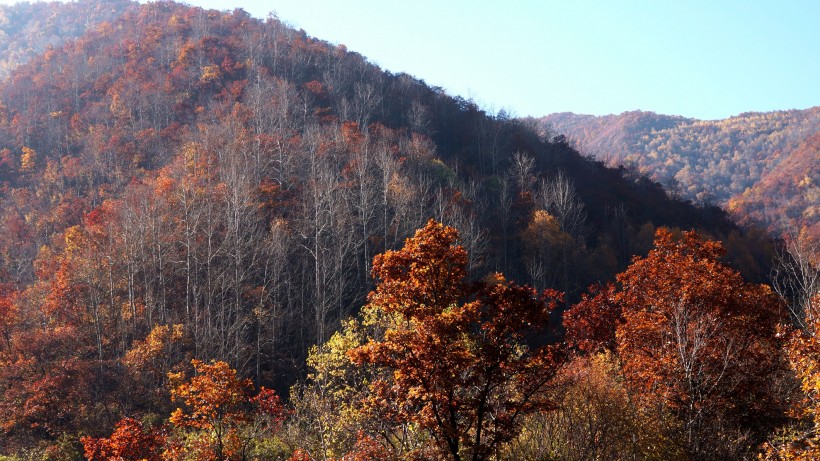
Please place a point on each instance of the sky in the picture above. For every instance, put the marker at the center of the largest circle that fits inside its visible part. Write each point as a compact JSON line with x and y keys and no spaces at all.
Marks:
{"x":706,"y":59}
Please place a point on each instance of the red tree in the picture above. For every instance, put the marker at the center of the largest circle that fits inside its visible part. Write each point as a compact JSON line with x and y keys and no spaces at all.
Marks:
{"x":129,"y":442}
{"x":694,"y":340}
{"x":456,"y":354}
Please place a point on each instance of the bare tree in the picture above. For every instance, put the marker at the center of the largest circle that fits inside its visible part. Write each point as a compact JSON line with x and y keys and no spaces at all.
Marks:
{"x":796,"y":277}
{"x":558,"y":197}
{"x":521,"y":170}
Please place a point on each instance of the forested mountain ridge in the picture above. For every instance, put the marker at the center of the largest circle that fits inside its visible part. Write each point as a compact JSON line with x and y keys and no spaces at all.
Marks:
{"x":727,"y":162}
{"x":787,"y":196}
{"x":27,"y":29}
{"x":183,"y":184}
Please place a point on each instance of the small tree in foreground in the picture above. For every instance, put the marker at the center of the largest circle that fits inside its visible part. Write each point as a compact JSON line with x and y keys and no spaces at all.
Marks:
{"x":131,"y":441}
{"x":458,"y":361}
{"x":221,"y":421}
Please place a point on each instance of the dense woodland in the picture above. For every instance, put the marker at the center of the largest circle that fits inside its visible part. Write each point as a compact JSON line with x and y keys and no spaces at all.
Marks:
{"x":28,"y":29}
{"x":764,"y":167}
{"x":222,"y":238}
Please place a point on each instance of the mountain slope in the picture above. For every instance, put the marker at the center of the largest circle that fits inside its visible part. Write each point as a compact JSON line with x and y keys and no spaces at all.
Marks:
{"x":231,"y":179}
{"x":27,"y":29}
{"x":717,"y":161}
{"x":788,"y":195}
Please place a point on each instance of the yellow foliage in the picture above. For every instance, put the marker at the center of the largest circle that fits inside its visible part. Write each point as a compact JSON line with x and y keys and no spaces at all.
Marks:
{"x":210,"y":73}
{"x":544,"y":227}
{"x":595,"y":419}
{"x":74,"y":238}
{"x":329,"y":405}
{"x":155,"y":343}
{"x":28,"y":160}
{"x":330,"y":399}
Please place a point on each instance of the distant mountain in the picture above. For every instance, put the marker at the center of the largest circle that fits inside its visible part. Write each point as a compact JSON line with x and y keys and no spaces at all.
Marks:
{"x":788,"y":195}
{"x":762,"y":166}
{"x":27,"y":29}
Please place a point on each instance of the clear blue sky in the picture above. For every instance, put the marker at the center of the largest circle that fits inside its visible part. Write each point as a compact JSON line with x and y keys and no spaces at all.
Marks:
{"x":699,"y":58}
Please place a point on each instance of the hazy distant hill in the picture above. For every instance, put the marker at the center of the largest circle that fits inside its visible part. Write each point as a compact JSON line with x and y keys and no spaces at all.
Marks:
{"x":27,"y":29}
{"x":764,"y":164}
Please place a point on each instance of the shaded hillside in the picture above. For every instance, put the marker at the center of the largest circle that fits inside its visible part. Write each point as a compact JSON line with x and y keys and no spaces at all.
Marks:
{"x":233,"y":178}
{"x":27,"y":29}
{"x":713,"y":161}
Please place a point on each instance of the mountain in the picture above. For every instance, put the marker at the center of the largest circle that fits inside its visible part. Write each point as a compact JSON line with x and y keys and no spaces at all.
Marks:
{"x":28,"y":29}
{"x":788,"y":195}
{"x":720,"y":161}
{"x":180,"y":183}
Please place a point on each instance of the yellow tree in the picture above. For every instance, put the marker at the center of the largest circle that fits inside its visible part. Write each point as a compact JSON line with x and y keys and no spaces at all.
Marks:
{"x":28,"y":160}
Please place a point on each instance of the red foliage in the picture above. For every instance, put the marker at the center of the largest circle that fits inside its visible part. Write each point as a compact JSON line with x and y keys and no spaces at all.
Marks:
{"x":591,"y":324}
{"x":697,"y":340}
{"x":461,"y":368}
{"x":131,"y":441}
{"x":270,"y":405}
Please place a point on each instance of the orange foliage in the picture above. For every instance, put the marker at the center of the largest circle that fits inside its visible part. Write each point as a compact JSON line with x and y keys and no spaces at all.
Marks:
{"x":461,"y":368}
{"x":591,"y":324}
{"x":214,"y":396}
{"x":804,"y":357}
{"x":699,"y":341}
{"x":220,"y":412}
{"x":131,"y":441}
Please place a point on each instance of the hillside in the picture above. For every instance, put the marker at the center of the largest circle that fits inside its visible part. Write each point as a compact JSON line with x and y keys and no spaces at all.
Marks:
{"x":181,"y":183}
{"x":721,"y":161}
{"x":28,"y":29}
{"x":788,"y":195}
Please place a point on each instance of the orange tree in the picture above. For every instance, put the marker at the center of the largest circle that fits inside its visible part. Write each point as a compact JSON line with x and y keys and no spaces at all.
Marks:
{"x":131,"y":441}
{"x":222,"y":415}
{"x":220,"y":421}
{"x":802,"y":443}
{"x":695,"y":341}
{"x":456,"y":356}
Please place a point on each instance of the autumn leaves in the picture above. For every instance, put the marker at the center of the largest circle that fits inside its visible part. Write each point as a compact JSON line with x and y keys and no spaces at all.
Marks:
{"x":458,"y":362}
{"x":685,"y":349}
{"x":681,"y":359}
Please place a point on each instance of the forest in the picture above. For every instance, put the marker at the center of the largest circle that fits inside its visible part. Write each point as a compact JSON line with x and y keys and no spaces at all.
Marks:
{"x":762,"y":167}
{"x":224,"y":239}
{"x":28,"y":29}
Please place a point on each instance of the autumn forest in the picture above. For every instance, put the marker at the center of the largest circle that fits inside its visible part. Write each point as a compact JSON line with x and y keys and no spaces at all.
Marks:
{"x":224,"y":239}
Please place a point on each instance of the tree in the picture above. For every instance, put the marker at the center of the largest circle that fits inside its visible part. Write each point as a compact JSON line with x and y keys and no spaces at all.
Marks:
{"x":460,"y":366}
{"x":559,"y":197}
{"x":28,"y":160}
{"x":131,"y":441}
{"x":595,"y":420}
{"x":591,"y":324}
{"x":699,"y":342}
{"x":220,"y":411}
{"x":803,"y":350}
{"x":796,"y":277}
